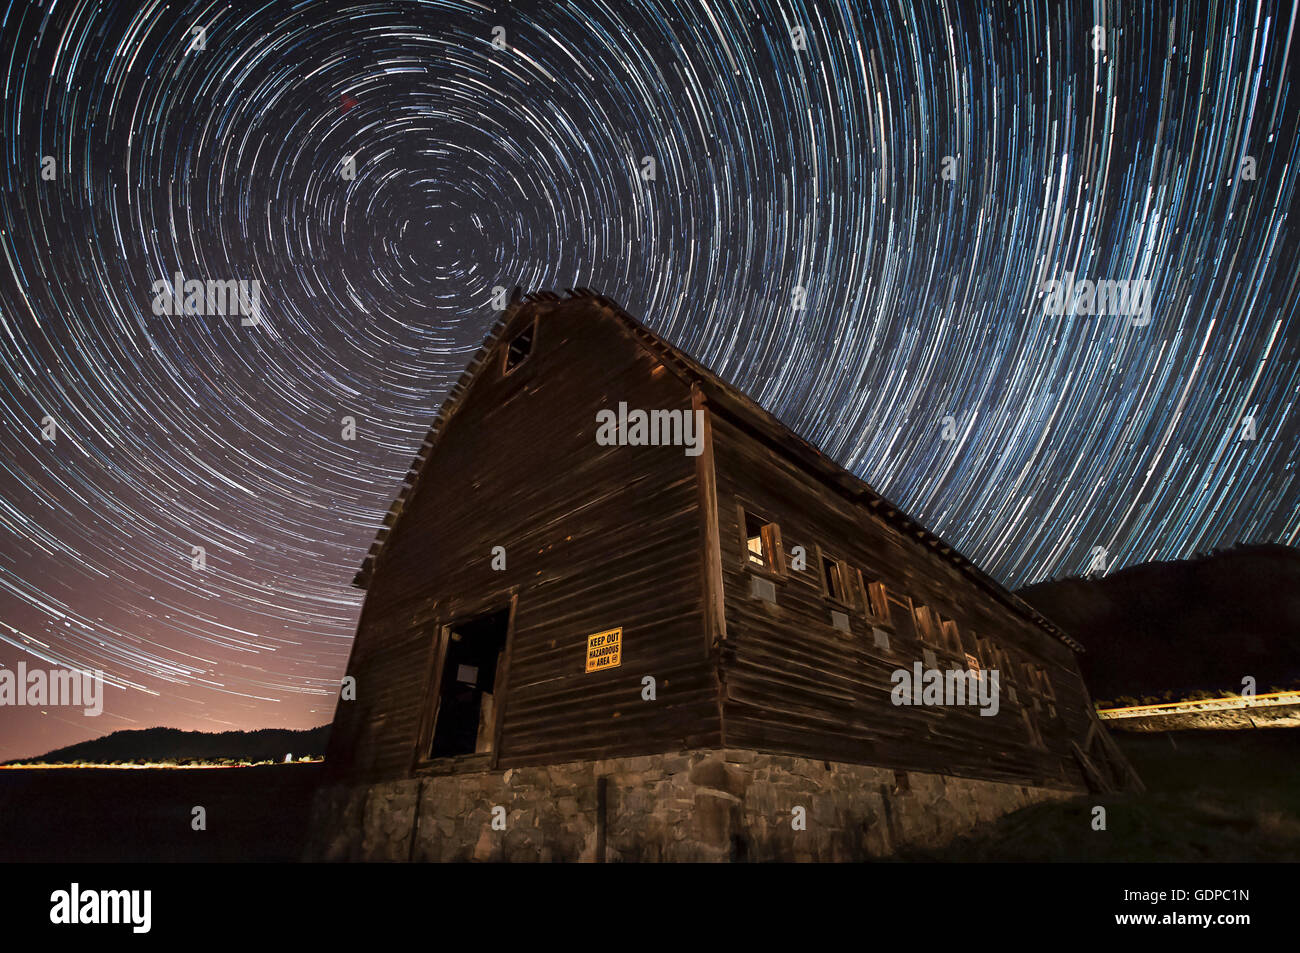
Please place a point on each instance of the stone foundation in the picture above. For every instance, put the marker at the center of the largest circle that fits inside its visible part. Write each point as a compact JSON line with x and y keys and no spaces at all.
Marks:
{"x":703,"y":805}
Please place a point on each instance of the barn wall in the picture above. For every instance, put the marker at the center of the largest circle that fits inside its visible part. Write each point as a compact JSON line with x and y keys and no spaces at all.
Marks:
{"x":596,"y":537}
{"x":796,"y":684}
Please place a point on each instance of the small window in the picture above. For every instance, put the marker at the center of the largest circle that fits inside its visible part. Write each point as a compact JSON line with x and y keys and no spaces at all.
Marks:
{"x":756,"y":551}
{"x":951,"y":640}
{"x":878,"y":601}
{"x":990,"y":651}
{"x":1045,"y":683}
{"x":904,"y":619}
{"x":762,"y":542}
{"x":835,"y":577}
{"x":927,"y":629}
{"x":521,"y":345}
{"x":972,"y":663}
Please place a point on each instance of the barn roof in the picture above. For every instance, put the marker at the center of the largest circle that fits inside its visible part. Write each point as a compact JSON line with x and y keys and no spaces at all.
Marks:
{"x":736,"y":405}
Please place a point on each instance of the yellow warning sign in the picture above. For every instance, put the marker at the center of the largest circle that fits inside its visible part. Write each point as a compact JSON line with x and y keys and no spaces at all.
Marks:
{"x":605,"y":650}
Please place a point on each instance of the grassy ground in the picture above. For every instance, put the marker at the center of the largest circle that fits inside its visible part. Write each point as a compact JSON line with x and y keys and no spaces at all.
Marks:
{"x":145,"y":814}
{"x":1211,"y":796}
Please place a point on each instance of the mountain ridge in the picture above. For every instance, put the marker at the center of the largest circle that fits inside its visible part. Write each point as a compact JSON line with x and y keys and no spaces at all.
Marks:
{"x":1182,"y":626}
{"x":158,"y":744}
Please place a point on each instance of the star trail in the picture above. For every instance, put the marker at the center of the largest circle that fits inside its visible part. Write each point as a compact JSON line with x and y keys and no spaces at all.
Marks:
{"x":847,"y":209}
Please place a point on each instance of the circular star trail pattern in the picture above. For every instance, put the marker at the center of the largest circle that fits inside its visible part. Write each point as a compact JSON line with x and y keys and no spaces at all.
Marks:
{"x":912,"y":173}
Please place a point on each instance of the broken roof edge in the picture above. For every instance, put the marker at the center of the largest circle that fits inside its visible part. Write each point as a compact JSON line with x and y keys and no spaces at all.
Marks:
{"x":743,"y":410}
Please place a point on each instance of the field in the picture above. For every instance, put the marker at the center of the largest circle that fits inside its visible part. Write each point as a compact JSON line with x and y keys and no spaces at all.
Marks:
{"x":1212,"y":796}
{"x":145,"y":814}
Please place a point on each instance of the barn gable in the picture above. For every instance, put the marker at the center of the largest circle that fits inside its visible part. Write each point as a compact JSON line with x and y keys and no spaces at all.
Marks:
{"x":599,"y":537}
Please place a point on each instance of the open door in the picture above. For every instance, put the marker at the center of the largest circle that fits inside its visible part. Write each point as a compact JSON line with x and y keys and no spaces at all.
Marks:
{"x":468,"y":696}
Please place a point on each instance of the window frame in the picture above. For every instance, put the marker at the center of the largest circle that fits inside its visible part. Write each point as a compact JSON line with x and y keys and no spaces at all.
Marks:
{"x":845,"y":572}
{"x":1047,"y":690}
{"x":950,"y":637}
{"x":774,"y":565}
{"x":927,"y":625}
{"x":440,"y":637}
{"x":907,"y":609}
{"x":875,"y":601}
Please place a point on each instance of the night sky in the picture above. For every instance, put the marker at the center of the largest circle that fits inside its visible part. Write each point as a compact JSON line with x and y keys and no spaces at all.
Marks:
{"x":778,"y":173}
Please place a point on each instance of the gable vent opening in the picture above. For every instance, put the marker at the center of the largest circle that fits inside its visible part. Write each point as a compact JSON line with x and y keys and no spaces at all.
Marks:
{"x":521,"y":345}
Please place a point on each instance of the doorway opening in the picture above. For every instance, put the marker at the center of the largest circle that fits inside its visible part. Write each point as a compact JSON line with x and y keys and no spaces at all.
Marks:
{"x":468,"y":698}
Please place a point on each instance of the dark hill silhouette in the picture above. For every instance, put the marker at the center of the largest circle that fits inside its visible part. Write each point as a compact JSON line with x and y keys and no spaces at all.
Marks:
{"x":1191,"y":625}
{"x":172,"y":744}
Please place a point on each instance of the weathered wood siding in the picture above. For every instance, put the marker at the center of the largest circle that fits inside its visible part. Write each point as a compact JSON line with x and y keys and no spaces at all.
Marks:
{"x":794,"y":683}
{"x":596,"y":537}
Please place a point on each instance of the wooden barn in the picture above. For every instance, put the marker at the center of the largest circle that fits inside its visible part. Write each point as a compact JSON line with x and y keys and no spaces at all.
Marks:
{"x":619,"y":611}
